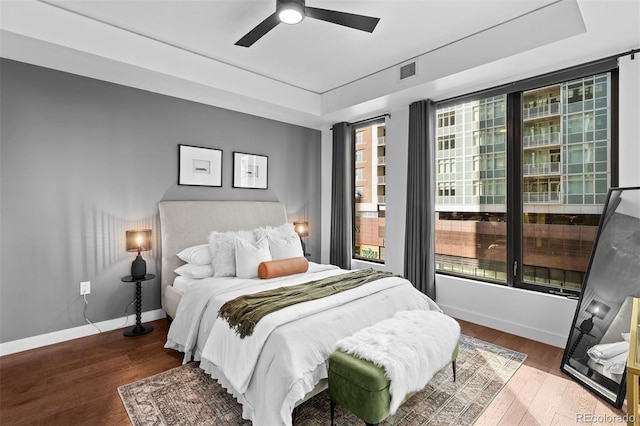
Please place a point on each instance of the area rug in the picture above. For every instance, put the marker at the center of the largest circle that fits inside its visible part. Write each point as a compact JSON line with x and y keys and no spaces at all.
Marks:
{"x":187,"y":396}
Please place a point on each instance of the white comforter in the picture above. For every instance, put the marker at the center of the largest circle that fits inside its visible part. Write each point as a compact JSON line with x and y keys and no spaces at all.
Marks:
{"x":286,"y":356}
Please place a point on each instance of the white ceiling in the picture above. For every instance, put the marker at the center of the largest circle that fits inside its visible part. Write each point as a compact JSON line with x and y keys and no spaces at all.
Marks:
{"x":313,"y":55}
{"x":313,"y":72}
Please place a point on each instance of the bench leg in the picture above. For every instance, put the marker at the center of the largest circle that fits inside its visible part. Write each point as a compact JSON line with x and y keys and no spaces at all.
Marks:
{"x":453,"y":365}
{"x":333,"y":409}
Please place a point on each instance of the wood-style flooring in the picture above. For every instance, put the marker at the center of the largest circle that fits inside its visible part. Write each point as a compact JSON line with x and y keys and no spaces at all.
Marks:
{"x":75,"y":382}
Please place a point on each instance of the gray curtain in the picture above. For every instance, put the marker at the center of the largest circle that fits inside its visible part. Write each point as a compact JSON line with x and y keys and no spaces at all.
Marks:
{"x":419,"y":243}
{"x":342,"y":191}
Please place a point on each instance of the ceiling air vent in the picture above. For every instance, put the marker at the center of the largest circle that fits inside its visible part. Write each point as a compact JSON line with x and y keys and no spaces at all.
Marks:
{"x":407,"y":70}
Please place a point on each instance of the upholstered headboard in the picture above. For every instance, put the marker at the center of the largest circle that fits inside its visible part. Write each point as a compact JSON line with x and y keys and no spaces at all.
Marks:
{"x":188,"y":223}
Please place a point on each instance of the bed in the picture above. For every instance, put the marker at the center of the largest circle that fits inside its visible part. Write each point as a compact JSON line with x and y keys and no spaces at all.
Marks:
{"x":284,"y":362}
{"x":613,"y":366}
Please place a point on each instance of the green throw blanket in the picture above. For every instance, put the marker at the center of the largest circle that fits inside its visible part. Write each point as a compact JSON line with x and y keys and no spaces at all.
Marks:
{"x":244,"y":312}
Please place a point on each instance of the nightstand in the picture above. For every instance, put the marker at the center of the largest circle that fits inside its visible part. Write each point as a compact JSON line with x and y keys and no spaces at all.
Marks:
{"x":138,"y":329}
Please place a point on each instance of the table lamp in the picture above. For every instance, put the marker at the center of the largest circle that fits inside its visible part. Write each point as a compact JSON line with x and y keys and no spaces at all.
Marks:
{"x":596,"y":309}
{"x":139,"y":241}
{"x":302,"y":229}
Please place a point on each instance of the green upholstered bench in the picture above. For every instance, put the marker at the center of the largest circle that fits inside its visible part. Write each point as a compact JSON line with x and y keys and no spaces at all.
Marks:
{"x":362,"y":387}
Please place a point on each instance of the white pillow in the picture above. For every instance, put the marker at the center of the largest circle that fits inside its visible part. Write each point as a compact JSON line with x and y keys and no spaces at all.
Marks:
{"x":223,"y":252}
{"x":284,"y":248}
{"x":194,"y":271}
{"x":249,"y":256}
{"x":196,"y":255}
{"x":283,"y":231}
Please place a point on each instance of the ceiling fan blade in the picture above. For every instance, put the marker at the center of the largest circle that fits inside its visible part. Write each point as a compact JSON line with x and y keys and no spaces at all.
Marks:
{"x":261,"y":29}
{"x":359,"y":22}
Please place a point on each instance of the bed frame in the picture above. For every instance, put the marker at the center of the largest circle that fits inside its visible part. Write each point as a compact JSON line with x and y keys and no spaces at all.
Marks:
{"x":188,"y":223}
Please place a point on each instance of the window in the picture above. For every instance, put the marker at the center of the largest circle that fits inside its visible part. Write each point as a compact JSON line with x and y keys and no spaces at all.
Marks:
{"x":370,"y":192}
{"x":541,"y":236}
{"x":446,"y":142}
{"x":446,"y":118}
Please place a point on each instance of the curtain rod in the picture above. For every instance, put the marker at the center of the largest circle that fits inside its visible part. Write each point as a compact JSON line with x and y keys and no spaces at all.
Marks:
{"x":368,"y":119}
{"x":632,"y":53}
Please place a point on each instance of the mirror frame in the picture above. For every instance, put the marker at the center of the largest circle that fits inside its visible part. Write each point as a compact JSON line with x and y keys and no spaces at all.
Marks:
{"x":604,"y":309}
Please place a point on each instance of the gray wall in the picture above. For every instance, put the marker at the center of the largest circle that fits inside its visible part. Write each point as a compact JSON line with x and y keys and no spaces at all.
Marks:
{"x":83,"y":160}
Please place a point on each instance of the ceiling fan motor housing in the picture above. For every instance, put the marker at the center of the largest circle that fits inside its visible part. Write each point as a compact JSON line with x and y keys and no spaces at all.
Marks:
{"x":294,"y":5}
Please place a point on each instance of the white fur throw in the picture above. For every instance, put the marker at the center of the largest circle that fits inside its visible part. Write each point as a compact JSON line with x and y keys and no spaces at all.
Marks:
{"x":411,"y":346}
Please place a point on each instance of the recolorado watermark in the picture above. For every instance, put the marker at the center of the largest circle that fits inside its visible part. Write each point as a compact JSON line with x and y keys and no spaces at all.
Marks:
{"x":603,"y":418}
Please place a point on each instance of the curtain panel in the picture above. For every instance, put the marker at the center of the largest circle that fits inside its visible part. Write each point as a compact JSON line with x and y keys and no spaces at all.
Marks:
{"x":341,"y":197}
{"x":419,"y":247}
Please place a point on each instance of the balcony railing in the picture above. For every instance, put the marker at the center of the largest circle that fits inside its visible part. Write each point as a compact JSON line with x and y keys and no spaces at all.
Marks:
{"x":541,"y":197}
{"x":541,"y":169}
{"x":541,"y":111}
{"x":545,"y":139}
{"x":381,"y":160}
{"x":381,"y":141}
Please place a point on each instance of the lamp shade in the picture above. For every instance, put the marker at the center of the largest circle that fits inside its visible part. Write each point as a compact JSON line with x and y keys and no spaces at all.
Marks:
{"x":301,"y":228}
{"x":139,"y":240}
{"x":597,"y":309}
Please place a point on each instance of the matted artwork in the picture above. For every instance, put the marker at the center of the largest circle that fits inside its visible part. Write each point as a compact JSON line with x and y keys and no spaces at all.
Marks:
{"x":250,"y":171}
{"x":199,"y":166}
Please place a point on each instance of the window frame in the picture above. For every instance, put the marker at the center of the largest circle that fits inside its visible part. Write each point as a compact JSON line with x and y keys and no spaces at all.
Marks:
{"x":358,"y":147}
{"x":514,"y":153}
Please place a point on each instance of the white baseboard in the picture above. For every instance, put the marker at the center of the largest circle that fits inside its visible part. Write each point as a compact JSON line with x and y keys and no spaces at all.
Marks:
{"x":522,"y":330}
{"x":33,"y":342}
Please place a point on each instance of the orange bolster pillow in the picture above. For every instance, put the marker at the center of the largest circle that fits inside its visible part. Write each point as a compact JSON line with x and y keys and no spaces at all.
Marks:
{"x":282,"y":267}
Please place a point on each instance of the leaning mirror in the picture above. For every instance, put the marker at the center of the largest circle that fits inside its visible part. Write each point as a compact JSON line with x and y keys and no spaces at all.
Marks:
{"x":598,"y":344}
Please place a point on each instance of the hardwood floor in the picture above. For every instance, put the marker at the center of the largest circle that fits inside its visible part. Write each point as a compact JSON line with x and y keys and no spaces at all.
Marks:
{"x":75,"y":382}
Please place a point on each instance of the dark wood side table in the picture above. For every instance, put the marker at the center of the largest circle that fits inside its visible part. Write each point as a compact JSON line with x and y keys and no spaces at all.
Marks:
{"x":139,"y":329}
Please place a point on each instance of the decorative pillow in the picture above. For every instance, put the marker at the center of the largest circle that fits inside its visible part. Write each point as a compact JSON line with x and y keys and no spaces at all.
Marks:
{"x":223,"y":252}
{"x":285,"y":248}
{"x":195,"y":271}
{"x":196,"y":255}
{"x":283,"y":231}
{"x":282,"y":267}
{"x":249,"y":256}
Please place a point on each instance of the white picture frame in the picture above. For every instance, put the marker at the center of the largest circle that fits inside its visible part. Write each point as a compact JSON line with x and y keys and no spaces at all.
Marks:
{"x":250,"y":171}
{"x":199,"y":166}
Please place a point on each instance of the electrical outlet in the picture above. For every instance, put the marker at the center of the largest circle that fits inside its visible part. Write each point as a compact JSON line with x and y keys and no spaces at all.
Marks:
{"x":85,"y":288}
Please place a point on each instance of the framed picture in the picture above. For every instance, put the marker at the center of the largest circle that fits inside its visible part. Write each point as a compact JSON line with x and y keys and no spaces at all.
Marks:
{"x":249,"y":171}
{"x":199,"y":166}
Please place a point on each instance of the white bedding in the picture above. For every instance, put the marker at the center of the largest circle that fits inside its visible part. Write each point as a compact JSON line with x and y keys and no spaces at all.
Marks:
{"x":196,"y":314}
{"x":286,"y":357}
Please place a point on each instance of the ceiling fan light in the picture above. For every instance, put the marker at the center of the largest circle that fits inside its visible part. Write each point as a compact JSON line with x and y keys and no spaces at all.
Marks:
{"x":292,"y":13}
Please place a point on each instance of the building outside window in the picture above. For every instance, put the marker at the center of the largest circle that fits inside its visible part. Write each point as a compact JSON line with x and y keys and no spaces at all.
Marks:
{"x":565,"y":171}
{"x":370,"y":180}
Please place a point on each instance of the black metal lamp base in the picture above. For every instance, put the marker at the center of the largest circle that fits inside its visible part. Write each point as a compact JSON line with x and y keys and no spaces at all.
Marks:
{"x":138,"y":330}
{"x":138,"y":267}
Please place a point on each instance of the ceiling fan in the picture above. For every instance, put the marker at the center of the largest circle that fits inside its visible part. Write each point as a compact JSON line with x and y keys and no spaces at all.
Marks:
{"x":294,"y":11}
